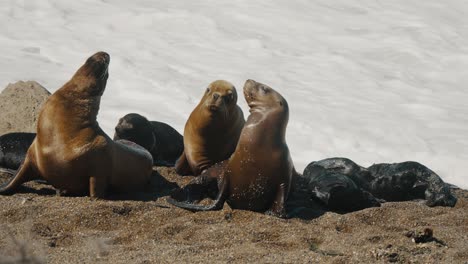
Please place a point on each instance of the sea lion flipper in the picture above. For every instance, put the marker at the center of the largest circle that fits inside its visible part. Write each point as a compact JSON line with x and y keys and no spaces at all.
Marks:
{"x":24,"y":174}
{"x":7,"y":171}
{"x":182,"y":165}
{"x":216,"y":205}
{"x":278,"y":208}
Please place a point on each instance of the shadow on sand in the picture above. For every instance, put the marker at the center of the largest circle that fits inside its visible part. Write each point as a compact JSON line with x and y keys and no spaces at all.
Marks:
{"x":157,"y":188}
{"x":299,"y":205}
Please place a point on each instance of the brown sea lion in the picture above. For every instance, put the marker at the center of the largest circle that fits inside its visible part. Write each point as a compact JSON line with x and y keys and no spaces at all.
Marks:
{"x":212,"y":130}
{"x":259,"y":173}
{"x":71,"y":151}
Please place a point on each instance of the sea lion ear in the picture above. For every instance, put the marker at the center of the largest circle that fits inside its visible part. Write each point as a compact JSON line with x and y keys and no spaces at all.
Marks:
{"x":280,"y":102}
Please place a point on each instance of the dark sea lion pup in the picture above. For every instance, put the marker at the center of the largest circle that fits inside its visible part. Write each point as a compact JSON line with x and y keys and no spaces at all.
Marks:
{"x":360,"y":175}
{"x":410,"y":180}
{"x":71,"y":152}
{"x":340,"y":179}
{"x":339,"y":193}
{"x":163,"y":142}
{"x":13,"y":148}
{"x":258,"y":175}
{"x":337,"y":184}
{"x":212,"y":130}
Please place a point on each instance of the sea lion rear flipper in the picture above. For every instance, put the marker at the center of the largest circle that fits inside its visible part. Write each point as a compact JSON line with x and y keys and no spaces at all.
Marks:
{"x":182,"y":165}
{"x":204,"y":179}
{"x":7,"y":171}
{"x":24,"y":174}
{"x":278,"y":208}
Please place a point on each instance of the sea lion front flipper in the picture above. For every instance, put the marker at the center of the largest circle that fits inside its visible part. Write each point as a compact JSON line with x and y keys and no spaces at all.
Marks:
{"x":216,"y":205}
{"x":278,"y":208}
{"x":25,"y":173}
{"x":201,"y":184}
{"x":182,"y":165}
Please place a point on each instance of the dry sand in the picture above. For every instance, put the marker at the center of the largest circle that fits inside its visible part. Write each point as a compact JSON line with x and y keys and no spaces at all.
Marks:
{"x":144,"y":228}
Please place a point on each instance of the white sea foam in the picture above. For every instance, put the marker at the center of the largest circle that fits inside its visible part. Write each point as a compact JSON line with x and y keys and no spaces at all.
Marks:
{"x":374,"y":81}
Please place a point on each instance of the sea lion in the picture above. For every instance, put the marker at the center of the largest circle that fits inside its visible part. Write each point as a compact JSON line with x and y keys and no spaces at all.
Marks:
{"x":259,"y":173}
{"x":163,"y":142}
{"x":334,"y":188}
{"x":71,"y":152}
{"x":410,"y":180}
{"x":13,"y":148}
{"x":359,"y":175}
{"x":212,"y":130}
{"x":387,"y":182}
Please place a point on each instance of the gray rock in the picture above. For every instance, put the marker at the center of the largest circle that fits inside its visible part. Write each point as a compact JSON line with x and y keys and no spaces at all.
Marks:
{"x":20,"y":104}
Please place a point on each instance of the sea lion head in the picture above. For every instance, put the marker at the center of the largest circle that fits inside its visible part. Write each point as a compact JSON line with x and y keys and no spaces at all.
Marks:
{"x":136,"y":128}
{"x":260,"y":96}
{"x":91,"y":78}
{"x":220,"y":96}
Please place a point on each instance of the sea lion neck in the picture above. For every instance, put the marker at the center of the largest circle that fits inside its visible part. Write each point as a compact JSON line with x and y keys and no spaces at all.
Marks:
{"x":81,"y":95}
{"x":269,"y":120}
{"x":77,"y":103}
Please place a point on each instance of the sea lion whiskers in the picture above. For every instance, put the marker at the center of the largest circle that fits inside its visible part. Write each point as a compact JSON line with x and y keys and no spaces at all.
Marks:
{"x":103,"y":75}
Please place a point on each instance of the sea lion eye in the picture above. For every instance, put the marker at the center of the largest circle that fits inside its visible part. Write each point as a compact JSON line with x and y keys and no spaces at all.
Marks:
{"x":264,"y":89}
{"x":228,"y":97}
{"x":208,"y":90}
